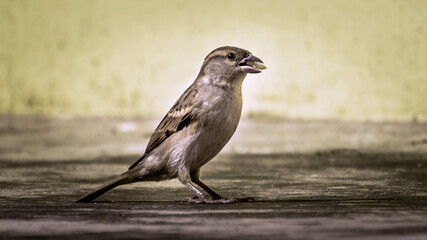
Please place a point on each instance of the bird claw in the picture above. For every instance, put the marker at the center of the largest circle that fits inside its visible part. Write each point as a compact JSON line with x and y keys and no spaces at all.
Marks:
{"x":192,"y":200}
{"x":246,"y":199}
{"x":198,"y":200}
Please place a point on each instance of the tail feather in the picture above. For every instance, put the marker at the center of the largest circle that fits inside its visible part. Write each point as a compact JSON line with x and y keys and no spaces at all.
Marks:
{"x":120,"y":180}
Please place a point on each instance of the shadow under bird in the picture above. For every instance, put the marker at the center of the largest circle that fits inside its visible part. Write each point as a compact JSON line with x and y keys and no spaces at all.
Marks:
{"x":196,"y":128}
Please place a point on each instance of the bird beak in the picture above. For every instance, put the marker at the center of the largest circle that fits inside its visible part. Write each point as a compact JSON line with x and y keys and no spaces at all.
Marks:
{"x":251,"y":64}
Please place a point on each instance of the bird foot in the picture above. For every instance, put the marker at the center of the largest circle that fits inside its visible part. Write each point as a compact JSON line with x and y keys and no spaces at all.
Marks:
{"x":216,"y":201}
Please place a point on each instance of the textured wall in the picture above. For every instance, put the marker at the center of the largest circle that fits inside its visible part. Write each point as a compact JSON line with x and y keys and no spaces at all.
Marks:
{"x":363,"y":60}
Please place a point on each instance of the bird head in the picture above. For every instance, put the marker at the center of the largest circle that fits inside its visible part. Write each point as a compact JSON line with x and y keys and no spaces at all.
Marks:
{"x":229,"y":63}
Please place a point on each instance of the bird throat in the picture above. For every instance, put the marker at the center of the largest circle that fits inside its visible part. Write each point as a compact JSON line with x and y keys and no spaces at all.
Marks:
{"x":224,"y":82}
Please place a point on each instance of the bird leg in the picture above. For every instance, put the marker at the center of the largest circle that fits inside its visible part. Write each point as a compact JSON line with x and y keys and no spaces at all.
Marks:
{"x":201,"y":198}
{"x":209,"y":190}
{"x":195,"y":177}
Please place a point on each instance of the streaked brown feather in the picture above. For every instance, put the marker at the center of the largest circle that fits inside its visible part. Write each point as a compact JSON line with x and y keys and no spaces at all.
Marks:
{"x":175,"y":120}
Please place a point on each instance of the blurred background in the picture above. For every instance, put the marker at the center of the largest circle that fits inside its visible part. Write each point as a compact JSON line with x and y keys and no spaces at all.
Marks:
{"x":356,"y":60}
{"x":333,"y":140}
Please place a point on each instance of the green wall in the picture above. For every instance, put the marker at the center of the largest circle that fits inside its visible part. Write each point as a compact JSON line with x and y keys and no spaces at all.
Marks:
{"x":358,"y":60}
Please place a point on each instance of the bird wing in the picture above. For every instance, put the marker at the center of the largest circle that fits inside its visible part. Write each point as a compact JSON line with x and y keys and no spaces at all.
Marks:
{"x":179,"y":116}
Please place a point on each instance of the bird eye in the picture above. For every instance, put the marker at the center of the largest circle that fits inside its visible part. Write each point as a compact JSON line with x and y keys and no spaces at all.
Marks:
{"x":231,"y":56}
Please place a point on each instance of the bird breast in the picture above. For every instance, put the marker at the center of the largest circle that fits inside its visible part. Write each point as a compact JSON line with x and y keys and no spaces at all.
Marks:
{"x":192,"y":147}
{"x":219,"y":121}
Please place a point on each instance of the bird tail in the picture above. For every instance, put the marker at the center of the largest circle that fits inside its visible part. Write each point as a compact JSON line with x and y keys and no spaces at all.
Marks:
{"x":120,"y":180}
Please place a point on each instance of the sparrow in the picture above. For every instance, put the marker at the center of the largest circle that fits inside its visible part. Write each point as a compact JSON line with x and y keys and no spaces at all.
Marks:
{"x":196,"y":128}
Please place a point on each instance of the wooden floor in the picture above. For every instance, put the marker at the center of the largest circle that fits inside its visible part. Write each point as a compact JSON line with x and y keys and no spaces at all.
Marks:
{"x":310,"y":180}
